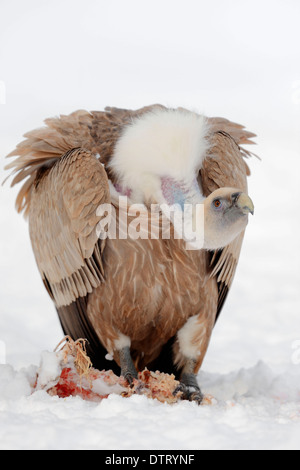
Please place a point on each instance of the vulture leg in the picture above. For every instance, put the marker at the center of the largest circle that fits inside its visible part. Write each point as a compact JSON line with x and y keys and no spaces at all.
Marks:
{"x":128,"y":371}
{"x":188,"y":383}
{"x":189,"y":351}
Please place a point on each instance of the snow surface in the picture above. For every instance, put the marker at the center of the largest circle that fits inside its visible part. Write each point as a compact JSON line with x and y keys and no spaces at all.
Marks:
{"x":255,"y":408}
{"x":252,"y":367}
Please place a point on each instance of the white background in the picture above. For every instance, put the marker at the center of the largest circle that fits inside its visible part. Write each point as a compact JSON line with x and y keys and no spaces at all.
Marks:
{"x":237,"y":59}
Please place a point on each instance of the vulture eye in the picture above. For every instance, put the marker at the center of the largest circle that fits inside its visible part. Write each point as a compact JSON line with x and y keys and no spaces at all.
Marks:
{"x":217,"y":203}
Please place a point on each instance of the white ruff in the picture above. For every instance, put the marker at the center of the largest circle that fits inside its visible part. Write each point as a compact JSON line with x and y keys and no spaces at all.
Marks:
{"x":162,"y":143}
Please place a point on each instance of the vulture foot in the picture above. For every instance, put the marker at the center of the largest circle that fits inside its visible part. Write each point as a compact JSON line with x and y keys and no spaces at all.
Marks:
{"x":190,"y":392}
{"x":128,"y":371}
{"x":193,"y":394}
{"x":189,"y":385}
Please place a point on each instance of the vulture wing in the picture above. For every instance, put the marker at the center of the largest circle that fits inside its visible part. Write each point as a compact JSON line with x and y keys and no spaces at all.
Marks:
{"x":62,"y":222}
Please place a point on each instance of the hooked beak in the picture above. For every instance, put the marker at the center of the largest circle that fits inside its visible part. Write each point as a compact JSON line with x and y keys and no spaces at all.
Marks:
{"x":243,"y":202}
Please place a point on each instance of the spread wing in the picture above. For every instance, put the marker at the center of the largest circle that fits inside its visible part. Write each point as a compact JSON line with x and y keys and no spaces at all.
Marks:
{"x":63,"y":229}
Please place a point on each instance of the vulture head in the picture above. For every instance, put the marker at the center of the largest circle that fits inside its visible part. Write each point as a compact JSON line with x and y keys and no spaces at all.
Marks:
{"x":157,"y":160}
{"x":225,"y":216}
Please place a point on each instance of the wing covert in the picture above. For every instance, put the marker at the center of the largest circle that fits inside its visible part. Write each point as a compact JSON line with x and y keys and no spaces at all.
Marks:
{"x":62,"y":224}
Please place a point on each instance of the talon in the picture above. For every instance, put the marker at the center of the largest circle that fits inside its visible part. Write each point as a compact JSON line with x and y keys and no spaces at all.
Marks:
{"x":129,"y":378}
{"x":196,"y":396}
{"x":191,"y":393}
{"x":180,"y":388}
{"x":190,"y":388}
{"x":128,"y":370}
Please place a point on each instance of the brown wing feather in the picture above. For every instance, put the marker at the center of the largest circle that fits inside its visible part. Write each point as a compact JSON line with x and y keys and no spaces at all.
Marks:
{"x":62,"y":224}
{"x":236,"y":131}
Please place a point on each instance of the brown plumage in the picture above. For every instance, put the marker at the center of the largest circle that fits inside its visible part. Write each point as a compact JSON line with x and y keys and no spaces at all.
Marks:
{"x":110,"y":290}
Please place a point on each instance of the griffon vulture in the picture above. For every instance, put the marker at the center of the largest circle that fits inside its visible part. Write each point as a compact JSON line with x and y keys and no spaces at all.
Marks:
{"x":144,"y":301}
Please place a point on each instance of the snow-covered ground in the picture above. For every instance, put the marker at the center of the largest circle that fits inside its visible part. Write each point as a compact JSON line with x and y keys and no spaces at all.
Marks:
{"x":109,"y":55}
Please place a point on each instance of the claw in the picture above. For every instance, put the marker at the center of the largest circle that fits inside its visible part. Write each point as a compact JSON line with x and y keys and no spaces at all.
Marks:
{"x":190,"y":388}
{"x":129,"y":378}
{"x":196,"y":396}
{"x":128,"y":371}
{"x":190,"y":393}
